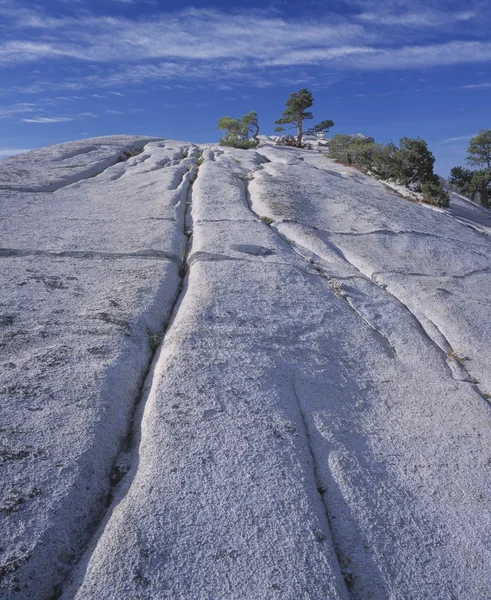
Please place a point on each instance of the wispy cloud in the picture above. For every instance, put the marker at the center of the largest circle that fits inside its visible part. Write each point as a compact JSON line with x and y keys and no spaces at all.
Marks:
{"x":423,"y":18}
{"x":16,"y":109}
{"x":61,"y":119}
{"x":256,"y":47}
{"x":460,"y":138}
{"x":474,"y":86}
{"x":48,"y":120}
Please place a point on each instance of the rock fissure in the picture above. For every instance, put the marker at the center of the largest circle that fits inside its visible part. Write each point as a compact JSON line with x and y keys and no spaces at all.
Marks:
{"x":89,"y":254}
{"x":333,"y":283}
{"x":125,"y":466}
{"x":427,"y":327}
{"x":474,"y":227}
{"x":346,"y":575}
{"x":317,"y":269}
{"x":424,"y":329}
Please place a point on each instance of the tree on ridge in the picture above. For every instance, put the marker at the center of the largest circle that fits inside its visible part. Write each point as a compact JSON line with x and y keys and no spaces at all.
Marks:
{"x":296,"y":113}
{"x":239,"y":131}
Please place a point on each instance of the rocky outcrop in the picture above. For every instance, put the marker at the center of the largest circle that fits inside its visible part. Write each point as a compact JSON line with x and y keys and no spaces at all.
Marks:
{"x":239,"y":374}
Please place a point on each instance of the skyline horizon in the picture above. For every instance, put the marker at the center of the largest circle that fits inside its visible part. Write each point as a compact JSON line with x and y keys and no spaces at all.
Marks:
{"x":72,"y":70}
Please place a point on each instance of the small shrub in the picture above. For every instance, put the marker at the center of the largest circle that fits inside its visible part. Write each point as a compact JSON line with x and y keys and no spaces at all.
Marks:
{"x":288,"y":140}
{"x":386,"y":161}
{"x":337,"y":287}
{"x":238,"y":143}
{"x":460,"y":358}
{"x":415,"y":161}
{"x":266,"y":220}
{"x":129,"y":153}
{"x":200,"y":158}
{"x":410,"y":165}
{"x":433,"y":193}
{"x":291,"y":140}
{"x":347,"y":148}
{"x":154,"y":341}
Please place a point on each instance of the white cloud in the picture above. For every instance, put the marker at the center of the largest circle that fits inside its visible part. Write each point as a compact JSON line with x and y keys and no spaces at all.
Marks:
{"x":413,"y":57}
{"x":475,"y":86}
{"x":15,"y":109}
{"x":460,"y":138}
{"x":48,"y":120}
{"x":424,"y":18}
{"x":252,"y":47}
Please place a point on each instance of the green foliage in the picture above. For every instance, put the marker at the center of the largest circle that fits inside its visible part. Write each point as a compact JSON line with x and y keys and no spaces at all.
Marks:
{"x":386,"y":162}
{"x":238,"y":131}
{"x":229,"y":124}
{"x":238,"y":143}
{"x":339,"y":147}
{"x":416,"y":162}
{"x":479,"y":150}
{"x":352,"y":150}
{"x":154,"y":341}
{"x":469,"y":182}
{"x":462,"y":178}
{"x":410,"y":164}
{"x":322,"y":127}
{"x":433,"y":193}
{"x":126,"y":154}
{"x":296,"y":113}
{"x":200,"y":159}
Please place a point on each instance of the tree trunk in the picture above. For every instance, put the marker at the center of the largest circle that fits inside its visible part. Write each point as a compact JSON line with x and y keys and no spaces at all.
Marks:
{"x":299,"y":134}
{"x":255,"y":136}
{"x":484,"y":197}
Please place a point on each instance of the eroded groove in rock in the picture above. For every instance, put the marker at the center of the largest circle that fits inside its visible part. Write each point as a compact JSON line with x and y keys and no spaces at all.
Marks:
{"x":127,"y":462}
{"x":112,"y":331}
{"x":322,"y":491}
{"x":88,"y":254}
{"x":428,"y":328}
{"x":210,"y":422}
{"x":346,"y":574}
{"x":337,"y":476}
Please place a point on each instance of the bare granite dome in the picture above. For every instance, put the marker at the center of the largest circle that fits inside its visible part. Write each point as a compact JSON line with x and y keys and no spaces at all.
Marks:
{"x":239,"y":375}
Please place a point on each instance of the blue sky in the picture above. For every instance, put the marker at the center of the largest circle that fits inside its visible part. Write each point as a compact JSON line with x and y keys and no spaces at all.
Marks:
{"x":77,"y":68}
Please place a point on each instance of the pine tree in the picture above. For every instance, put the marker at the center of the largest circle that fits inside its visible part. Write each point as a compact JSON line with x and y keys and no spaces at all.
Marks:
{"x":479,"y":150}
{"x":295,"y":113}
{"x":250,"y":125}
{"x":472,"y":181}
{"x":237,"y":131}
{"x":322,"y":127}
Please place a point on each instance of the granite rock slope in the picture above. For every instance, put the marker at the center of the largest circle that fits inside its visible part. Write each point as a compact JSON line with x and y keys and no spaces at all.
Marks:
{"x":239,"y":374}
